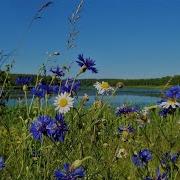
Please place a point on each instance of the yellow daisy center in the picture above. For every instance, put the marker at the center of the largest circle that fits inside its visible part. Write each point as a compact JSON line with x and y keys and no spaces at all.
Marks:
{"x":104,"y":85}
{"x":171,"y":101}
{"x":63,"y":102}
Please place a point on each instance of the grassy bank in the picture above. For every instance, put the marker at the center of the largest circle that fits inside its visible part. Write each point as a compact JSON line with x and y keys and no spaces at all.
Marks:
{"x":93,"y":133}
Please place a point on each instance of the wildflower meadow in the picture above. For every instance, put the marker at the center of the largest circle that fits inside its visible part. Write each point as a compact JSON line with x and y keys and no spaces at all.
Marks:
{"x":53,"y":132}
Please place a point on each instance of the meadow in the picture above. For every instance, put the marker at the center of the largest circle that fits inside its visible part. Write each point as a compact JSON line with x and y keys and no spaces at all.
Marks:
{"x":60,"y":140}
{"x":52,"y":132}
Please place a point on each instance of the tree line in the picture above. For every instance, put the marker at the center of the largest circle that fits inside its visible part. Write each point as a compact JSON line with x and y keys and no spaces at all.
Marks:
{"x":172,"y":80}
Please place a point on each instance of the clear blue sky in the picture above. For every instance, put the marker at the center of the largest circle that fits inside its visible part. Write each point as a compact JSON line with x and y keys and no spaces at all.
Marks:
{"x":127,"y":38}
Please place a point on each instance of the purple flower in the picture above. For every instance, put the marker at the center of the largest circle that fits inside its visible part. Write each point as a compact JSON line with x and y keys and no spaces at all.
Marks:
{"x":69,"y":173}
{"x":86,"y":64}
{"x":41,"y":89}
{"x":163,"y":176}
{"x":168,"y":159}
{"x":57,"y":130}
{"x":38,"y":92}
{"x":142,"y":158}
{"x":69,"y":85}
{"x":39,"y":127}
{"x":159,"y":176}
{"x":173,"y":92}
{"x":2,"y":163}
{"x":125,"y":110}
{"x":59,"y":72}
{"x":23,"y":80}
{"x":164,"y":112}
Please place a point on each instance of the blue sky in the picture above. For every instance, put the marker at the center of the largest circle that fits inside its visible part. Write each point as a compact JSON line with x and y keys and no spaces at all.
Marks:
{"x":127,"y":38}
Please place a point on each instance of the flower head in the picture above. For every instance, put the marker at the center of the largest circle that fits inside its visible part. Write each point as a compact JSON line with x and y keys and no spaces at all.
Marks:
{"x":57,"y":129}
{"x":70,"y":86}
{"x":173,"y":92}
{"x":69,"y":173}
{"x":37,"y":92}
{"x":142,"y":158}
{"x":2,"y":163}
{"x":169,"y":103}
{"x":57,"y":71}
{"x":63,"y":103}
{"x":161,"y":176}
{"x":86,"y":64}
{"x":169,"y":158}
{"x":125,"y":110}
{"x":172,"y":96}
{"x":103,"y":87}
{"x":39,"y":127}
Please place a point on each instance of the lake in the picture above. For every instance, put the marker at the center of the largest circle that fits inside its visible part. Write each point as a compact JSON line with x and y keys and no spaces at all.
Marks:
{"x":134,"y":96}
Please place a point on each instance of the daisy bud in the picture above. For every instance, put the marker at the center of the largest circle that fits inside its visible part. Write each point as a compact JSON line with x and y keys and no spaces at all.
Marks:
{"x":78,"y":162}
{"x":24,"y":87}
{"x":119,"y":85}
{"x":85,"y":97}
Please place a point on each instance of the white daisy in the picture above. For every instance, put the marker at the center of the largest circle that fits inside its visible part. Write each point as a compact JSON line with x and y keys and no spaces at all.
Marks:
{"x":170,"y":103}
{"x":63,"y":103}
{"x":103,"y":87}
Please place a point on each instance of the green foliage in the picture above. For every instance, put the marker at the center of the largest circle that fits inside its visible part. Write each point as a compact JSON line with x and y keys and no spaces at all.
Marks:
{"x":92,"y":132}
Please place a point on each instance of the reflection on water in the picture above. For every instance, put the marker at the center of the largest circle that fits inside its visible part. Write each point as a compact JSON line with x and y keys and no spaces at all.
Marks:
{"x":135,"y":96}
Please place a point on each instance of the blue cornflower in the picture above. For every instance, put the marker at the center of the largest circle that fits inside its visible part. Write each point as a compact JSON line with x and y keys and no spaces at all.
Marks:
{"x":2,"y":163}
{"x":23,"y":80}
{"x":69,"y":85}
{"x":168,"y":158}
{"x":57,"y":130}
{"x":173,"y":92}
{"x":36,"y":91}
{"x":86,"y":64}
{"x":69,"y":173}
{"x":55,"y":89}
{"x":59,"y":72}
{"x":39,"y":127}
{"x":159,"y":176}
{"x":125,"y":110}
{"x":172,"y":97}
{"x":164,"y":112}
{"x":142,"y":158}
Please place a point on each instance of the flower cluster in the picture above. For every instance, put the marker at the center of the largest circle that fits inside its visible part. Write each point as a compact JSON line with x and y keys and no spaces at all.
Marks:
{"x":23,"y":81}
{"x":142,"y":158}
{"x":46,"y":126}
{"x":126,"y":110}
{"x":69,"y":173}
{"x":42,"y":89}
